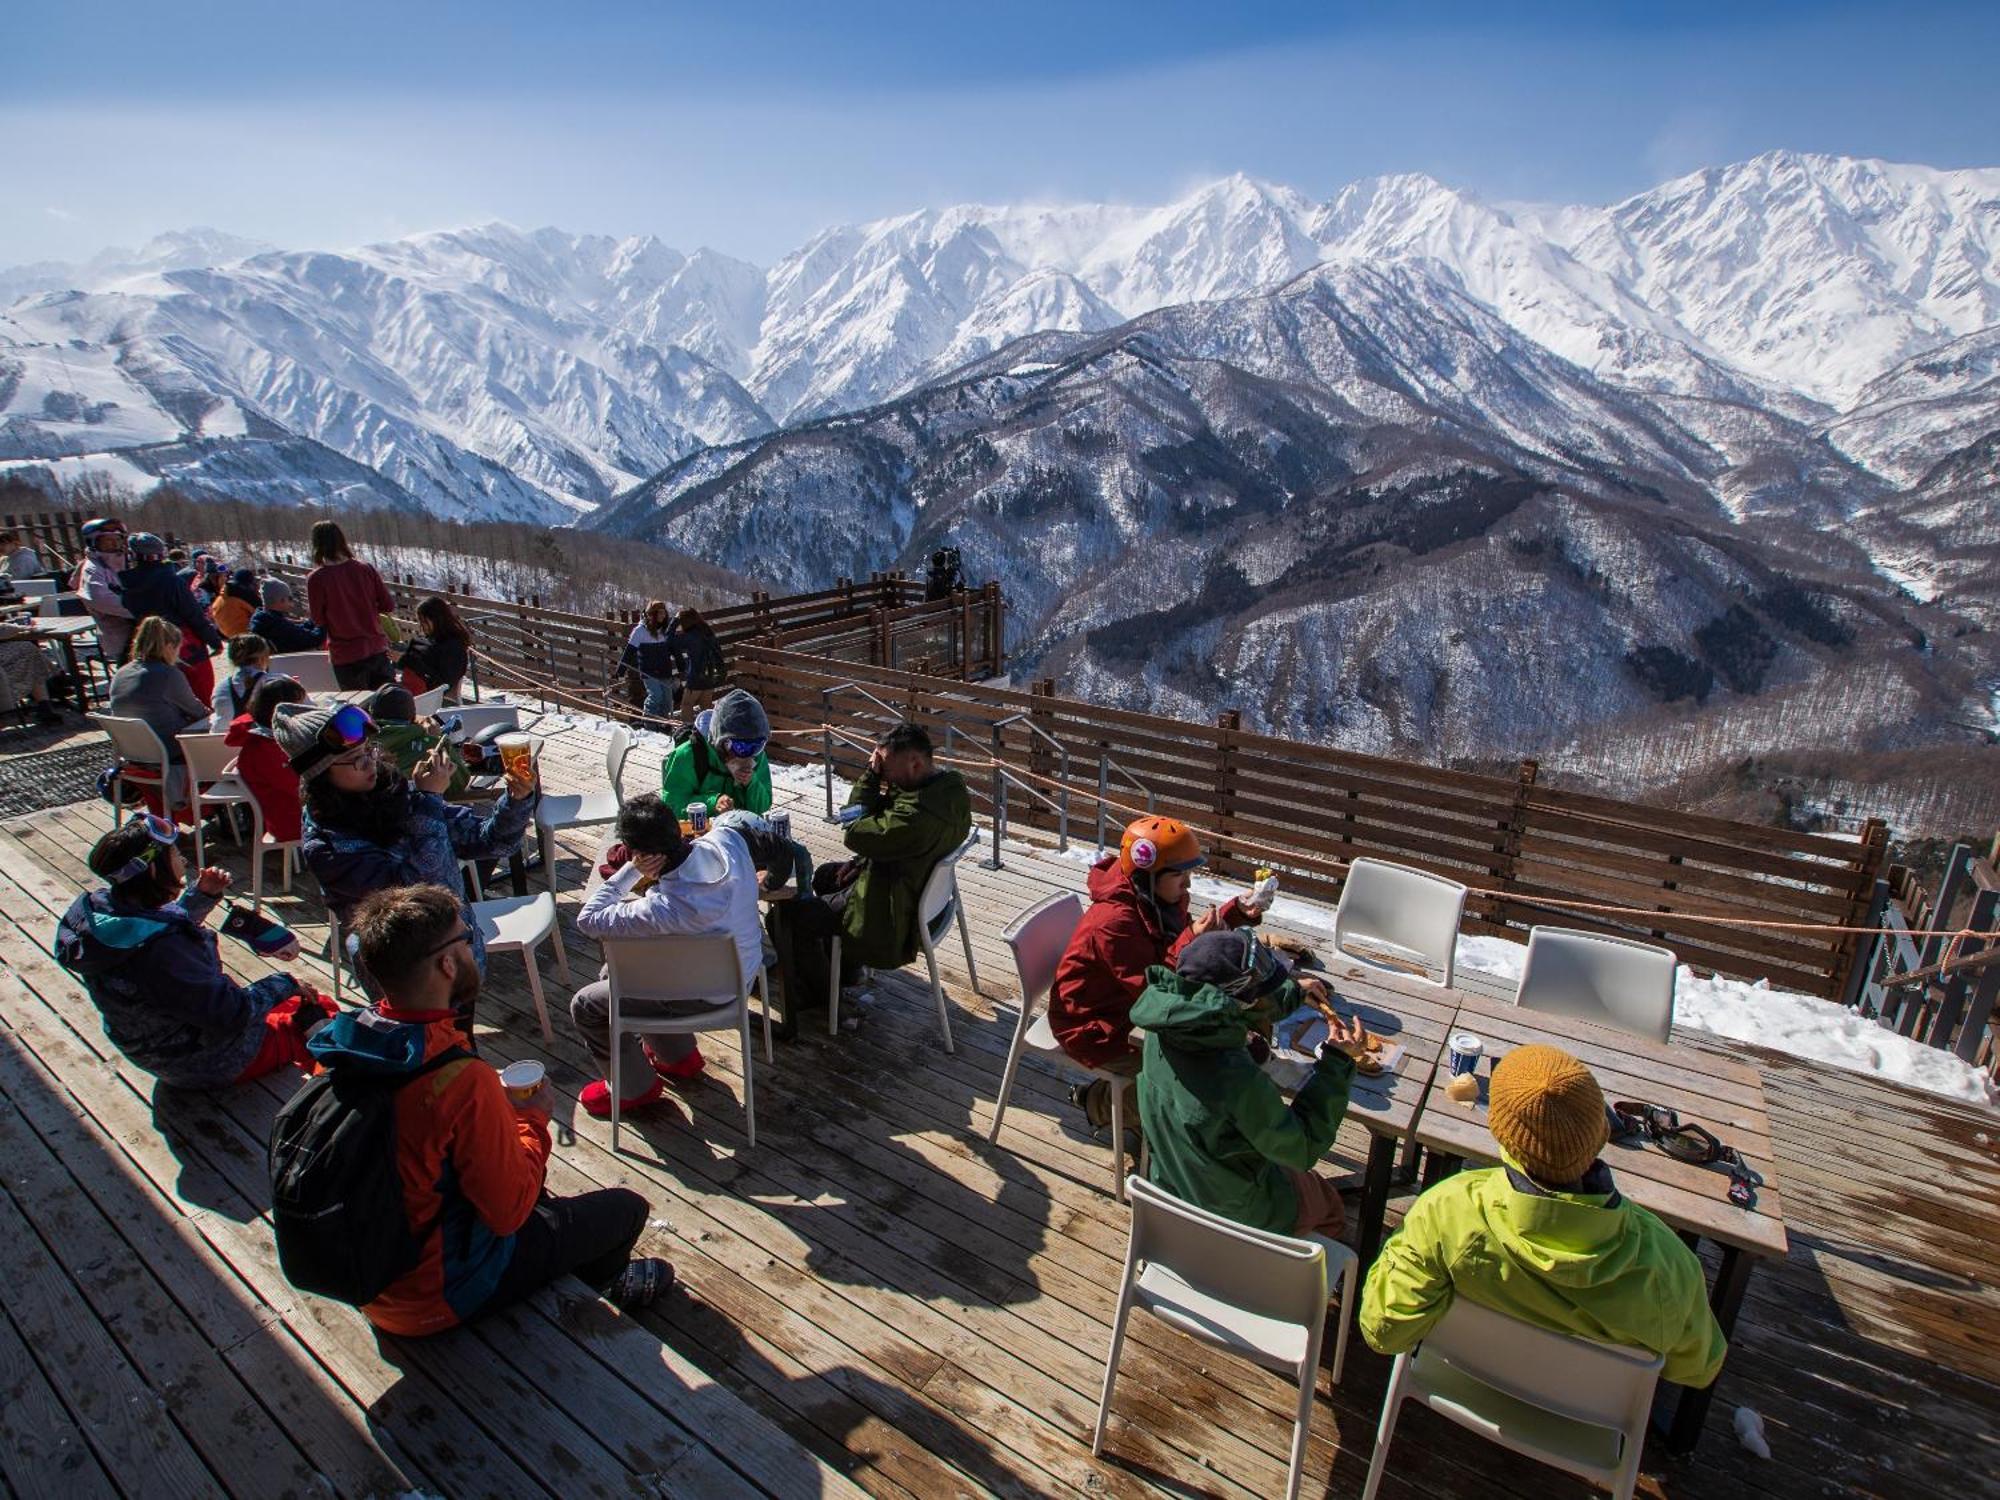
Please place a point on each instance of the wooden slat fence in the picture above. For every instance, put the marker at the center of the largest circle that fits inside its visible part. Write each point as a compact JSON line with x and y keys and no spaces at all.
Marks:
{"x":1958,"y":1009}
{"x":1306,"y":810}
{"x":56,"y":535}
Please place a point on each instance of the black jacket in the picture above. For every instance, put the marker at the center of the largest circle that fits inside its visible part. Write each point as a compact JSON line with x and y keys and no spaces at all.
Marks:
{"x":156,"y":589}
{"x":440,"y":660}
{"x":286,"y":634}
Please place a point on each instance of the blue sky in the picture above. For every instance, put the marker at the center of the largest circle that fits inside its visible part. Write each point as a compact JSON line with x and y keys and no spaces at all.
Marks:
{"x":748,"y":127}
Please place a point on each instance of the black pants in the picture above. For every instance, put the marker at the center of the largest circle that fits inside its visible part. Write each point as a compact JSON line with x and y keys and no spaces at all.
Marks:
{"x":369,"y":672}
{"x":591,"y":1234}
{"x":802,"y":932}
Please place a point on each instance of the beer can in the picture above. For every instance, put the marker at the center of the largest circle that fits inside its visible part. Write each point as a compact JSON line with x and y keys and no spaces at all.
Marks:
{"x":696,"y":817}
{"x":780,"y":824}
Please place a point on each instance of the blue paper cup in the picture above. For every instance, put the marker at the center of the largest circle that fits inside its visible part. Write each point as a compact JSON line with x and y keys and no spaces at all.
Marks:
{"x":1466,"y":1050}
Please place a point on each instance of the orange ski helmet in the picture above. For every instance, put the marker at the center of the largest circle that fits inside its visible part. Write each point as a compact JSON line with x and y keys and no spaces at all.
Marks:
{"x":1153,"y":844}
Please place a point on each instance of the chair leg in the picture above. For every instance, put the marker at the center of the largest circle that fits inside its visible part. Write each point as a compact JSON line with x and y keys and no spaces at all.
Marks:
{"x":286,"y":867}
{"x":257,"y":852}
{"x":749,"y":1080}
{"x":200,"y":848}
{"x":1007,"y":1075}
{"x":937,"y":994}
{"x":1392,"y":1404}
{"x":1302,"y":1421}
{"x":1111,"y":1363}
{"x":965,"y":937}
{"x":334,"y":956}
{"x":528,"y":956}
{"x":472,"y":879}
{"x":764,"y":1001}
{"x":833,"y":990}
{"x":547,"y":840}
{"x":617,"y":1084}
{"x":1350,"y":1274}
{"x":1117,"y":1140}
{"x":562,"y":958}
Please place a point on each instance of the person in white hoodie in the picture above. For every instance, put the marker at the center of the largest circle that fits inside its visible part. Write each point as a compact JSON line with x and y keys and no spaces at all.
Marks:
{"x":694,"y":886}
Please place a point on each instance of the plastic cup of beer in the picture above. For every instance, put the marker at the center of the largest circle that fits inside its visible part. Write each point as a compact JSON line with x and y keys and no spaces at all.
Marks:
{"x":522,"y":1080}
{"x":517,"y":755}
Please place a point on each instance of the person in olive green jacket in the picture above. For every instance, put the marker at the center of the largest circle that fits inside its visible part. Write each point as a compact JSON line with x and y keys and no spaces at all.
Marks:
{"x":904,"y":815}
{"x":722,"y":763}
{"x":1545,"y":1237}
{"x":1218,"y":1130}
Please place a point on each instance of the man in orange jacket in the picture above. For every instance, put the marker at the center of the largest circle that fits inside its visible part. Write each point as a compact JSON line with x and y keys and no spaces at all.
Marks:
{"x":472,"y":1160}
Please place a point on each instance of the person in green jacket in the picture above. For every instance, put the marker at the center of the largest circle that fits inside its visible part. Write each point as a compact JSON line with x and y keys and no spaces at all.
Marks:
{"x":904,"y":814}
{"x":1218,"y":1130}
{"x":722,"y":763}
{"x":405,"y":741}
{"x":1545,"y":1237}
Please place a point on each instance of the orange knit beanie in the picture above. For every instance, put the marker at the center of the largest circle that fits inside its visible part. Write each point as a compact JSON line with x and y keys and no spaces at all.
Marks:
{"x":1547,"y":1112}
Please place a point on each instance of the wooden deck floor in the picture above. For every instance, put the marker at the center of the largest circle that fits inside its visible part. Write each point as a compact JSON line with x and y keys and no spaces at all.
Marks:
{"x":875,"y":1298}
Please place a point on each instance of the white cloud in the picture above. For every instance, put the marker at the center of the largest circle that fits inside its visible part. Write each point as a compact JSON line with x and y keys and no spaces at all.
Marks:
{"x":61,"y":215}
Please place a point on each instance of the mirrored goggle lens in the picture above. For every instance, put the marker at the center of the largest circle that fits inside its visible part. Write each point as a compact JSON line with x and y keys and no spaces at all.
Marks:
{"x":743,"y":749}
{"x":348,"y":727}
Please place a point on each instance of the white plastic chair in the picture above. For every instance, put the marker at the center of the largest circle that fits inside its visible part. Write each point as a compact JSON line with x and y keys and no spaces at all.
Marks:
{"x":430,"y":702}
{"x":937,"y":906}
{"x":313,"y":669}
{"x":677,"y":967}
{"x":517,"y":924}
{"x":1613,"y":981}
{"x":1038,"y":938}
{"x":475,"y":717}
{"x":1262,"y":1296}
{"x":36,"y":588}
{"x":1571,"y":1402}
{"x":590,"y":810}
{"x":213,"y":782}
{"x":1402,"y":913}
{"x":142,"y":760}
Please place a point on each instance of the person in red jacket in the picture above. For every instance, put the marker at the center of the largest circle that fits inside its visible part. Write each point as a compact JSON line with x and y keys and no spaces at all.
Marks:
{"x":347,"y":599}
{"x":472,"y":1158}
{"x":265,"y":768}
{"x":1138,"y":917}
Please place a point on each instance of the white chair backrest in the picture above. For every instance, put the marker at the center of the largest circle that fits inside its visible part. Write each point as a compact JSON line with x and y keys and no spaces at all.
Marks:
{"x":1611,"y":980}
{"x":1605,"y":1384}
{"x":1403,"y":907}
{"x":207,"y":755}
{"x":313,"y":669}
{"x":941,"y":889}
{"x":35,"y":588}
{"x":134,"y":740}
{"x":1271,"y":1275}
{"x":475,"y":717}
{"x":430,"y":702}
{"x":674,"y":966}
{"x":614,"y":760}
{"x":1038,"y":938}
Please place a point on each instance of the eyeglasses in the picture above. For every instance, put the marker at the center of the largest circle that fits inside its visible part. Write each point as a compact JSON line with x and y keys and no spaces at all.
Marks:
{"x":1686,"y":1141}
{"x":463,"y":935}
{"x":743,"y":749}
{"x":163,"y":835}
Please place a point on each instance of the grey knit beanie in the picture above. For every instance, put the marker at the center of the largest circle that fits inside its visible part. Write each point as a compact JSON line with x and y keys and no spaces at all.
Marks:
{"x":738,"y":717}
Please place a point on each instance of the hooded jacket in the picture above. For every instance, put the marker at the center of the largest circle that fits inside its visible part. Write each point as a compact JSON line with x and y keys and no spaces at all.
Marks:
{"x":436,"y":835}
{"x":233,"y":608}
{"x":694,"y":771}
{"x":155,"y":976}
{"x":98,"y":582}
{"x":268,"y":772}
{"x":285,"y":633}
{"x":154,"y":588}
{"x":470,"y":1162}
{"x":900,"y":837}
{"x":1584,"y":1262}
{"x":441,"y":660}
{"x":1102,"y":971}
{"x":713,"y":890}
{"x":232,"y":697}
{"x":1219,"y":1130}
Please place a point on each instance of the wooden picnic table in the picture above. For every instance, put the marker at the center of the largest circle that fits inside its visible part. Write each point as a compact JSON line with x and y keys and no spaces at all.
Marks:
{"x":1412,"y":1015}
{"x":1707,"y":1088}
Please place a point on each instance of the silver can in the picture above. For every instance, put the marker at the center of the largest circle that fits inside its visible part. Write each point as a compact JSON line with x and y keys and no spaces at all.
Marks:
{"x":780,"y":823}
{"x":696,"y":818}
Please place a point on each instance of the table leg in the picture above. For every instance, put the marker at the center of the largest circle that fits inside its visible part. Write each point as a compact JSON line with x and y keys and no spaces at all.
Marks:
{"x":75,"y":674}
{"x":1731,"y":1279}
{"x":517,"y":868}
{"x":1438,"y":1166}
{"x":1375,"y":1197}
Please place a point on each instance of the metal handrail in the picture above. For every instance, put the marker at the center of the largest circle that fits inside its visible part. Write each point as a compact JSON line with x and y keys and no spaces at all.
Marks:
{"x":827,"y":731}
{"x":1002,"y":775}
{"x":1106,"y":764}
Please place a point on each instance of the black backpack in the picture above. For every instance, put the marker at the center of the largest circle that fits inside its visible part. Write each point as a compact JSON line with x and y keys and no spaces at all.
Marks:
{"x":336,"y":1194}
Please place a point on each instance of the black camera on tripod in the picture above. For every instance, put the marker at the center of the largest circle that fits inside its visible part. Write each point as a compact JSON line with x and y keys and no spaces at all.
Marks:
{"x":947,"y":575}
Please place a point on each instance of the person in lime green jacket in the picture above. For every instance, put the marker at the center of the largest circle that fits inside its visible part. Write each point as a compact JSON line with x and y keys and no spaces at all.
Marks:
{"x":722,"y":762}
{"x":1545,"y":1237}
{"x":1219,"y":1134}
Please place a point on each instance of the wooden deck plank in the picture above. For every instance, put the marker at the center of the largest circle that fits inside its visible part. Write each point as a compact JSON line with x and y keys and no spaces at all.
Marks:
{"x":44,"y":1454}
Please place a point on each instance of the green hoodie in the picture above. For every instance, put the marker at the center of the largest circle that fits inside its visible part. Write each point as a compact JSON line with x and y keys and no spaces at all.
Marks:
{"x":900,"y":837}
{"x":694,"y":771}
{"x":1218,"y":1130}
{"x":1586,"y":1263}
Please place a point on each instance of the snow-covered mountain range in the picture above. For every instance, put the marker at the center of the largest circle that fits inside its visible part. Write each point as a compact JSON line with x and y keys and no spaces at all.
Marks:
{"x":494,"y":372}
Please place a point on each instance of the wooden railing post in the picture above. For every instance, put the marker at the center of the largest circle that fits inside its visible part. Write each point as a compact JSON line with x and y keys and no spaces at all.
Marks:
{"x":1512,"y":831}
{"x":1852,"y":950}
{"x":1227,"y":723}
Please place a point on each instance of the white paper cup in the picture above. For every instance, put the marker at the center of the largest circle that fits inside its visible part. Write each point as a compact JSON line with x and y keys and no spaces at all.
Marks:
{"x":522,"y":1080}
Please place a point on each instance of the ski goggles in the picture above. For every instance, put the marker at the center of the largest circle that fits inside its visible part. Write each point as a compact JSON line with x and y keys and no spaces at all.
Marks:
{"x":162,"y":835}
{"x":1686,"y":1141}
{"x":743,"y":749}
{"x":1260,"y":973}
{"x":349,"y":727}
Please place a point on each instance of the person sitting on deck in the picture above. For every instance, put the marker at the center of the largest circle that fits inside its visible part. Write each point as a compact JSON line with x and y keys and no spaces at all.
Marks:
{"x":1545,"y":1236}
{"x":708,"y":884}
{"x":237,"y":602}
{"x":17,"y":558}
{"x":1137,"y":918}
{"x":261,"y":765}
{"x":441,"y":652}
{"x":904,"y":814}
{"x":152,"y":686}
{"x":721,"y":762}
{"x":250,"y":658}
{"x":274,"y":621}
{"x":472,"y":1161}
{"x":369,"y":828}
{"x":151,"y":587}
{"x":152,"y":969}
{"x":1219,"y":1134}
{"x":406,"y":741}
